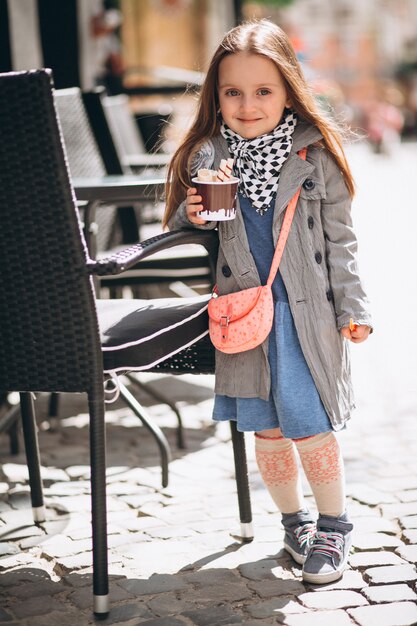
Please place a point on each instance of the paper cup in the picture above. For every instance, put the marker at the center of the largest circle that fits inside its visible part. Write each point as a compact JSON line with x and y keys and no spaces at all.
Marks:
{"x":218,"y":199}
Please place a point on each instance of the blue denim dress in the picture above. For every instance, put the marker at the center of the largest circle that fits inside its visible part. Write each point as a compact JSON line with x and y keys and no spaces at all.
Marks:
{"x":294,"y":404}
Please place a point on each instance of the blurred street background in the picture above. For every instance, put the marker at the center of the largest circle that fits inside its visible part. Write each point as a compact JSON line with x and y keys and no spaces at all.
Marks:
{"x":361,"y":57}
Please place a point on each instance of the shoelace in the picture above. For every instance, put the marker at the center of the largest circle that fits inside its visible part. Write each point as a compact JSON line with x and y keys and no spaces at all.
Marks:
{"x":305,"y":534}
{"x":328,"y":543}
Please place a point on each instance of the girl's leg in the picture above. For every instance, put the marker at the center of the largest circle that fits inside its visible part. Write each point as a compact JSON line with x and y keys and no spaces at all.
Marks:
{"x":278,"y":467}
{"x":277,"y":463}
{"x":323,"y":465}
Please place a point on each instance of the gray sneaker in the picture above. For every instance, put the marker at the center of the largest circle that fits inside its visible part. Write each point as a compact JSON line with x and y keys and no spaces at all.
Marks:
{"x":328,"y":555}
{"x":299,"y":532}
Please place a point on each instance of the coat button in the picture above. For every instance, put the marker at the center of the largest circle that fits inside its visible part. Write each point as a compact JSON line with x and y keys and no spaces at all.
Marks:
{"x":329,"y":295}
{"x":226,"y":271}
{"x":310,"y":221}
{"x":318,"y":257}
{"x":309,"y":184}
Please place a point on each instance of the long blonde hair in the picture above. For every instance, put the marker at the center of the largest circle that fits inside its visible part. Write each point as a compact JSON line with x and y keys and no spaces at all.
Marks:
{"x":257,"y":37}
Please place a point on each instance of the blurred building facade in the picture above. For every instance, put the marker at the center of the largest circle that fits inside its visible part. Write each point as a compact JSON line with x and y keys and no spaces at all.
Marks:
{"x":355,"y":52}
{"x":59,"y":35}
{"x":172,"y":33}
{"x":358,"y":44}
{"x":367,"y":50}
{"x":352,"y":50}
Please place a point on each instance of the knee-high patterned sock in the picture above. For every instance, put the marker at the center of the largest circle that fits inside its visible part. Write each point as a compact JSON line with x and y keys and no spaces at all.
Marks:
{"x":323,"y":465}
{"x":278,"y":467}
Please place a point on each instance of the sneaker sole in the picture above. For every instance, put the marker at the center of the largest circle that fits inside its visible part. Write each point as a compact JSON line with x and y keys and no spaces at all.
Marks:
{"x":322,"y":579}
{"x":298,"y":558}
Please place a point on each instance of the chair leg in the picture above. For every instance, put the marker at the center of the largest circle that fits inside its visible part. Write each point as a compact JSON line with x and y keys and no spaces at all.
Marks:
{"x":242,"y":483}
{"x":9,"y":423}
{"x":53,"y":409}
{"x":98,"y":506}
{"x":14,"y":438}
{"x":161,"y":397}
{"x":161,"y":440}
{"x":53,"y":404}
{"x":32,"y":456}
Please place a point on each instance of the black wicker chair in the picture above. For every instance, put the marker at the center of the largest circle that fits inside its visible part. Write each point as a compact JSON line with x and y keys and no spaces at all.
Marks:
{"x":49,"y":317}
{"x":92,"y":151}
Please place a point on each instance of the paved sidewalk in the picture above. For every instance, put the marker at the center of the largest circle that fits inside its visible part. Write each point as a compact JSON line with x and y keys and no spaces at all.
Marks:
{"x":173,"y":558}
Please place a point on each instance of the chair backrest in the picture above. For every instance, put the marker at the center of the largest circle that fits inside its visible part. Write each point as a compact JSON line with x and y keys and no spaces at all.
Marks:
{"x":85,"y":160}
{"x":103,"y":133}
{"x":118,"y":136}
{"x":49,"y":334}
{"x":123,"y":126}
{"x":83,"y":153}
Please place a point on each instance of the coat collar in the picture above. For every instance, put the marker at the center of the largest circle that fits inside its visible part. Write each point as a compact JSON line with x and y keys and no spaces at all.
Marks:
{"x":304,"y":135}
{"x":295,"y":170}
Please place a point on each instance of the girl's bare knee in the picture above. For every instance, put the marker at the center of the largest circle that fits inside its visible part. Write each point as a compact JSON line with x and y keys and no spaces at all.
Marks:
{"x":272,"y":433}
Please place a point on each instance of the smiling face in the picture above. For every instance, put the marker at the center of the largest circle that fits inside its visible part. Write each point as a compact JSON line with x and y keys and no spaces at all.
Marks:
{"x":252,"y":94}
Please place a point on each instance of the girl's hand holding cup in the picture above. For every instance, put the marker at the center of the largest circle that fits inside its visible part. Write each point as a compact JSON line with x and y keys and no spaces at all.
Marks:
{"x":214,"y":194}
{"x":193,"y":206}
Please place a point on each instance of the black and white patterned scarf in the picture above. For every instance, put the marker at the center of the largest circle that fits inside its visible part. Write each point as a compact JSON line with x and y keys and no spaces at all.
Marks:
{"x":258,"y":161}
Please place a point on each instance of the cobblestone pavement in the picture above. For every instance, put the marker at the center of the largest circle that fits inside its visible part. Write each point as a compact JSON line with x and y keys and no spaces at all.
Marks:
{"x":174,"y":557}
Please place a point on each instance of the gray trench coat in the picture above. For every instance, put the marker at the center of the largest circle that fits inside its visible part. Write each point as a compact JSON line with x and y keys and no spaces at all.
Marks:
{"x":318,"y":267}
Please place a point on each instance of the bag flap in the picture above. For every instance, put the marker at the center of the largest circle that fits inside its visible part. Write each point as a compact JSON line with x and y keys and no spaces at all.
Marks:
{"x":234,"y":305}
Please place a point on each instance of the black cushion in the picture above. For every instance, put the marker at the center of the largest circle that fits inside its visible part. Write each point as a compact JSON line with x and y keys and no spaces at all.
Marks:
{"x":139,"y":334}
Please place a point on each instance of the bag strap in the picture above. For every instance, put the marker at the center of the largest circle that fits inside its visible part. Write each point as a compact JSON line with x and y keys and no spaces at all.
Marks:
{"x":285,"y":229}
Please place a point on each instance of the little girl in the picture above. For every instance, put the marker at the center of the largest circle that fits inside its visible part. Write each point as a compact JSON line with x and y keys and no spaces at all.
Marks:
{"x":294,"y":390}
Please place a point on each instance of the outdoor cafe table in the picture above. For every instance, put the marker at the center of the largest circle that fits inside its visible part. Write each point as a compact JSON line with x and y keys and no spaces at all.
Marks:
{"x":119,"y":190}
